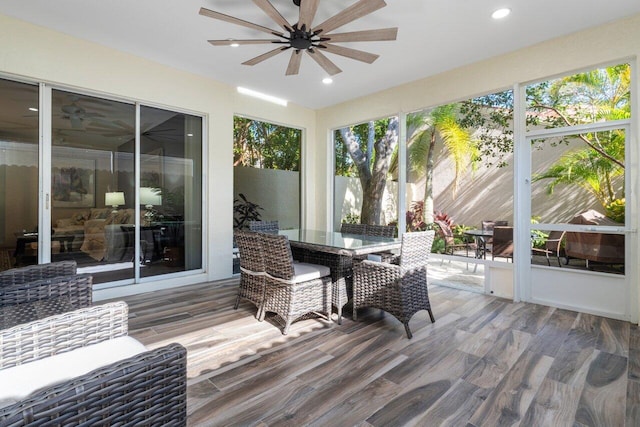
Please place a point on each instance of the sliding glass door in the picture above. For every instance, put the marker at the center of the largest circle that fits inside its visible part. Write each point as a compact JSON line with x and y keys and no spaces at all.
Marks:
{"x":90,"y":200}
{"x":84,"y":179}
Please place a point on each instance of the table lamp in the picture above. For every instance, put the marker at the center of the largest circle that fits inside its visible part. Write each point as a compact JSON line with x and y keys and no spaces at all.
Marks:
{"x":150,"y":197}
{"x":114,"y":199}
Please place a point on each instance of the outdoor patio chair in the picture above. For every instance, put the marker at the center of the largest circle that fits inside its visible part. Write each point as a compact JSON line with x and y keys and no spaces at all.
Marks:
{"x":264,"y":226}
{"x":292,"y":290}
{"x":552,"y":246}
{"x":81,"y":368}
{"x":450,"y":246}
{"x":252,"y":270}
{"x":502,"y":242}
{"x":380,"y":230}
{"x":353,"y":228}
{"x":400,"y":290}
{"x":488,"y":225}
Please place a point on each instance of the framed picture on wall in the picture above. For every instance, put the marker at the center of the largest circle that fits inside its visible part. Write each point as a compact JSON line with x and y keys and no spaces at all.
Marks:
{"x":73,"y":183}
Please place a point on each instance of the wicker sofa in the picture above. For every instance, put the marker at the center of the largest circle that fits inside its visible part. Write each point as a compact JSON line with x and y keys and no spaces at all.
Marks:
{"x":37,"y":291}
{"x":125,"y":384}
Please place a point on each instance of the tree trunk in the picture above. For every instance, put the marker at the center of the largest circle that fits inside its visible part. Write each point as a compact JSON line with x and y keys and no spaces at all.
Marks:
{"x":373,"y":181}
{"x":428,"y":182}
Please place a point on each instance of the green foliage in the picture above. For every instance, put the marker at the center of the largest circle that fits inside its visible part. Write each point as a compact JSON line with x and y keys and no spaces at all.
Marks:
{"x":265,"y":145}
{"x":615,"y":210}
{"x":244,"y":211}
{"x":538,"y":237}
{"x":351,"y":219}
{"x":438,"y":245}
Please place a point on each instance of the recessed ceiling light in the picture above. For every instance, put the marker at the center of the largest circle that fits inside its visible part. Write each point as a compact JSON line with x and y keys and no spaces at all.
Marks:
{"x":501,"y":13}
{"x":327,"y":80}
{"x":234,"y":44}
{"x":189,"y":134}
{"x":262,"y":96}
{"x":33,"y":109}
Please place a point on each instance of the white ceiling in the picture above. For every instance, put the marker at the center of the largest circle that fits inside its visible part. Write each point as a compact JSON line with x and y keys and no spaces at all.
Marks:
{"x":433,"y":36}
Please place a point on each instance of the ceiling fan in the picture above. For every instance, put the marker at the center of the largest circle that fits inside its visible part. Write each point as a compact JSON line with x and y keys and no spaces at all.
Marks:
{"x":303,"y":36}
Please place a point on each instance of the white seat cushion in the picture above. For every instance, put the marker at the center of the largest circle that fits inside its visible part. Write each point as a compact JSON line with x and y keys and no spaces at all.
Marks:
{"x":20,"y":381}
{"x":303,"y":272}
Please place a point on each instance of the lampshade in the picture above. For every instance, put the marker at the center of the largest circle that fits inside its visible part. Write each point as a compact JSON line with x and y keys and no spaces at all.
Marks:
{"x":114,"y":199}
{"x":150,"y":196}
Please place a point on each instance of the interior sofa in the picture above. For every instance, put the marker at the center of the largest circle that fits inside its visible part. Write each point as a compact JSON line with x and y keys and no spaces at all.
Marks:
{"x":97,"y":231}
{"x":82,"y":368}
{"x":597,"y":247}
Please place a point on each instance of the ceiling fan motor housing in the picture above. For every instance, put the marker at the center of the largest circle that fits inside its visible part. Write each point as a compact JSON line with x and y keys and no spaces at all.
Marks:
{"x":301,"y":39}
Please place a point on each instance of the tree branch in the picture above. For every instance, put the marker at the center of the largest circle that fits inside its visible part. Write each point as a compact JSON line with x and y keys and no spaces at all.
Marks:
{"x":582,"y":137}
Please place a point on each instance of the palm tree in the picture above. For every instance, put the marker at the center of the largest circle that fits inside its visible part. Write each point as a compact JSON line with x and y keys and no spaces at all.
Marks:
{"x":588,"y":169}
{"x":460,"y":145}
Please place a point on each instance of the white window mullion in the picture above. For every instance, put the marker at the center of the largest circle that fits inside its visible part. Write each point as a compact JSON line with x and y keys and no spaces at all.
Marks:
{"x":402,"y":173}
{"x":44,"y":157}
{"x":521,"y":198}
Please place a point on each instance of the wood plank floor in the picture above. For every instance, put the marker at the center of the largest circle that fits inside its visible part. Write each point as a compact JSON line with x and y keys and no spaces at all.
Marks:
{"x":485,"y":362}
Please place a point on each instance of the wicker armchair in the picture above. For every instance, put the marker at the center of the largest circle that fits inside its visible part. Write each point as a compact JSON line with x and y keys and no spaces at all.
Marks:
{"x":400,"y":290}
{"x":37,"y":291}
{"x":264,"y":226}
{"x":252,"y":270}
{"x":148,"y":389}
{"x":292,"y":290}
{"x":36,"y":272}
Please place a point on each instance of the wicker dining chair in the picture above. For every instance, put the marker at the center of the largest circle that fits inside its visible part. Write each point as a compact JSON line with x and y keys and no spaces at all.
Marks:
{"x":292,"y":290}
{"x":400,"y":290}
{"x":264,"y":226}
{"x":252,"y":270}
{"x":348,"y":228}
{"x":380,"y":230}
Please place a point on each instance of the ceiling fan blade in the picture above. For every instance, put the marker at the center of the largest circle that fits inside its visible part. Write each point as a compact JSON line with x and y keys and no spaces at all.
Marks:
{"x":273,"y":13}
{"x":382,"y":34}
{"x":264,"y":56}
{"x":324,"y":62}
{"x":237,"y":21}
{"x":353,"y":12}
{"x":358,"y":55}
{"x":308,"y":10}
{"x":230,"y":42}
{"x":294,"y":63}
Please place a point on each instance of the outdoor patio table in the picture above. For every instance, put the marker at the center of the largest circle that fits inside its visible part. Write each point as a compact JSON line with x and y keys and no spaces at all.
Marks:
{"x":336,"y":250}
{"x":481,"y":237}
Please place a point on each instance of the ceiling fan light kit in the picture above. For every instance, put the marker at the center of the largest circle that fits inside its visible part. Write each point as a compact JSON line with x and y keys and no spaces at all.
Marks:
{"x":304,"y":37}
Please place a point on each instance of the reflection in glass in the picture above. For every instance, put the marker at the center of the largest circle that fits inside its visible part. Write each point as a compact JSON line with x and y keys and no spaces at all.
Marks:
{"x":170,"y":192}
{"x":92,"y":182}
{"x":19,"y":174}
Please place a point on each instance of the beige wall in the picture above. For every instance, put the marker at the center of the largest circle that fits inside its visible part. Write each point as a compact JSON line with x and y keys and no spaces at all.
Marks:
{"x":39,"y":54}
{"x":276,"y":191}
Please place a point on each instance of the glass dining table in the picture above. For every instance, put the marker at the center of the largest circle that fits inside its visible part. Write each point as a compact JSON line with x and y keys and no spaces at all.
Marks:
{"x":337,"y":251}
